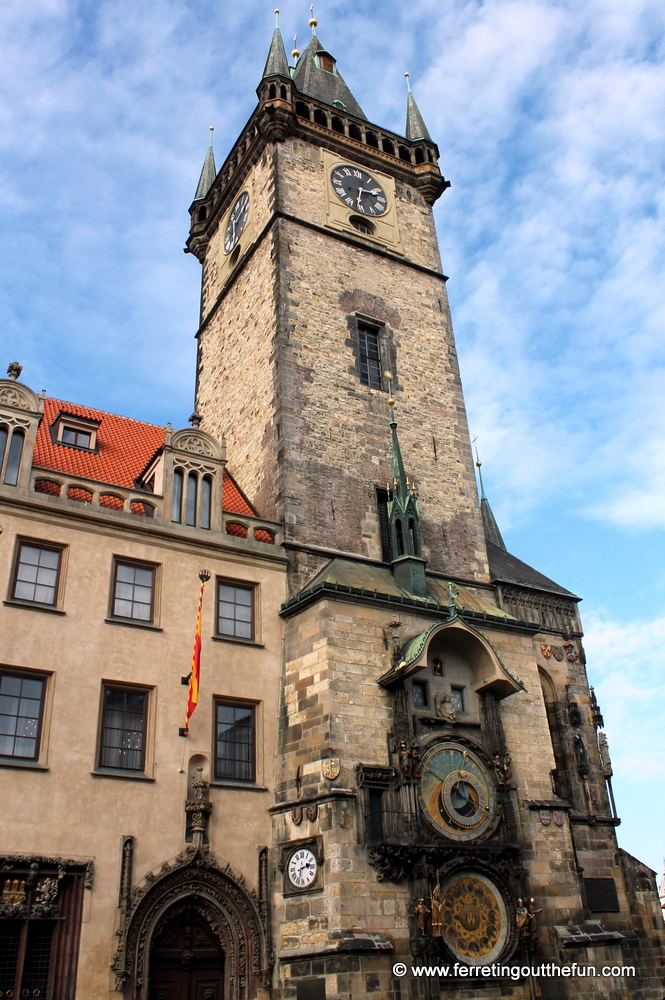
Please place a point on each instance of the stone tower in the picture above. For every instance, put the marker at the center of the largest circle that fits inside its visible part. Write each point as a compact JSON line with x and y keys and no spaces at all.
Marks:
{"x":312,"y":288}
{"x":438,"y":759}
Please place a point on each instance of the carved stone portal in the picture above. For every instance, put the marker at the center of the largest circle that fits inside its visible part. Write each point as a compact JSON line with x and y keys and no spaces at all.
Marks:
{"x":236,"y":915}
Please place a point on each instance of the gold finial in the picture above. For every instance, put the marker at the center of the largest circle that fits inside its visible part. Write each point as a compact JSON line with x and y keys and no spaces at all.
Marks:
{"x":295,"y":54}
{"x":277,"y":17}
{"x":312,"y":20}
{"x":389,"y":378}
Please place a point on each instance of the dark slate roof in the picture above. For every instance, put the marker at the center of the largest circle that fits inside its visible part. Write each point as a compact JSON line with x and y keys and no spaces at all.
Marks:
{"x":321,"y":85}
{"x":509,"y":569}
{"x":415,"y":126}
{"x":276,"y":64}
{"x":379,"y":580}
{"x":208,"y":174}
{"x":492,"y":533}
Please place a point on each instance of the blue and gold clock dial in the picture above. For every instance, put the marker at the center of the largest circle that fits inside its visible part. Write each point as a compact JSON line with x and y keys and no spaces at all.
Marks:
{"x":456,"y":791}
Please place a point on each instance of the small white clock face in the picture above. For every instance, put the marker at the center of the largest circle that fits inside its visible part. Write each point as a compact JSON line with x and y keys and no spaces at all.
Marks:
{"x":236,"y":223}
{"x":302,"y":868}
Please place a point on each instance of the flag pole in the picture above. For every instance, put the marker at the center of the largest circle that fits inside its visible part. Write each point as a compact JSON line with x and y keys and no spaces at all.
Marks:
{"x":194,"y":678}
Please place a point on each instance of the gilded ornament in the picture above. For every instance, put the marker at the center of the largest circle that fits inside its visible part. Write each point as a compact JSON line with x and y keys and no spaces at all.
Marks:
{"x":331,"y":768}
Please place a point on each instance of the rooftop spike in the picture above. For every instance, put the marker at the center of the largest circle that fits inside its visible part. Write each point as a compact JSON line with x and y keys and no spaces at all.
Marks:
{"x":490,"y":527}
{"x":276,"y":64}
{"x":208,"y":173}
{"x":408,"y":566}
{"x":415,"y":126}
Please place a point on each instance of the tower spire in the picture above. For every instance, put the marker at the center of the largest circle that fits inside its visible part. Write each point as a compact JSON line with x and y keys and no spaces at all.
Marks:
{"x":276,"y":64}
{"x":316,"y":75}
{"x":415,"y":126}
{"x":208,"y":173}
{"x":490,"y":527}
{"x":408,"y":566}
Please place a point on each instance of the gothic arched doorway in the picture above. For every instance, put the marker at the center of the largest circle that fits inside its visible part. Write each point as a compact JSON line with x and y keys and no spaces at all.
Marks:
{"x":186,"y":959}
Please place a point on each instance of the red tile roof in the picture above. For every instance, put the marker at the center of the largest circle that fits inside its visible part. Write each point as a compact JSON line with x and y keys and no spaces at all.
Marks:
{"x":124,"y":449}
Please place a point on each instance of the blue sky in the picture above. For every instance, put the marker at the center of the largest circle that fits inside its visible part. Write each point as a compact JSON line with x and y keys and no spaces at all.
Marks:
{"x":548,"y":115}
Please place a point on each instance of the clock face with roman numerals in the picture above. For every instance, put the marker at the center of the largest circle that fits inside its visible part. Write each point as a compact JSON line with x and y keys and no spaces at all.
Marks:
{"x":359,"y":190}
{"x":301,"y":868}
{"x":456,"y":792}
{"x":236,"y":223}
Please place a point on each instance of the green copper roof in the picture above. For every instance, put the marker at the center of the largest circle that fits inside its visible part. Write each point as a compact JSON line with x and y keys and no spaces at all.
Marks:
{"x":415,"y":126}
{"x":276,"y":64}
{"x":318,"y":83}
{"x":208,"y":173}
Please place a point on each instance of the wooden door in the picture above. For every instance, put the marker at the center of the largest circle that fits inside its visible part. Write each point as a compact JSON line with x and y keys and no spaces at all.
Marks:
{"x":186,"y":961}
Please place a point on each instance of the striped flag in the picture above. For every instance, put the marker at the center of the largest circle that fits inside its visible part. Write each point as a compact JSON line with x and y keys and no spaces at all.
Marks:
{"x":195,"y":673}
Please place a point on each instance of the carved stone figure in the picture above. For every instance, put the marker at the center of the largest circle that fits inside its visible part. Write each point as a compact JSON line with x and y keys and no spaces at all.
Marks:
{"x":604,"y":751}
{"x":522,"y":919}
{"x":533,"y":920}
{"x":445,"y":707}
{"x":582,"y":756}
{"x":436,"y":911}
{"x":404,"y":760}
{"x":422,"y":912}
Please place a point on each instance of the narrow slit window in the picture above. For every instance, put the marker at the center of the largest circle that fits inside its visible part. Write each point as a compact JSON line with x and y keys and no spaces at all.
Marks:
{"x":176,"y":502}
{"x":14,"y":458}
{"x":370,"y":359}
{"x":3,"y":444}
{"x":206,"y":496}
{"x":192,"y":489}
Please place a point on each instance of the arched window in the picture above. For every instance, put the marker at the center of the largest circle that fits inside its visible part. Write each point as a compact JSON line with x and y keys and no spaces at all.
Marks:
{"x":282,"y":92}
{"x":320,"y":117}
{"x":420,"y":155}
{"x":206,"y":496}
{"x":404,"y":154}
{"x":560,"y":785}
{"x":14,"y":458}
{"x":337,"y":125}
{"x":192,"y":490}
{"x":272,"y":92}
{"x":388,"y":147}
{"x":371,"y":140}
{"x":355,"y":133}
{"x":176,"y":502}
{"x":302,"y":110}
{"x":202,"y":214}
{"x":400,"y":538}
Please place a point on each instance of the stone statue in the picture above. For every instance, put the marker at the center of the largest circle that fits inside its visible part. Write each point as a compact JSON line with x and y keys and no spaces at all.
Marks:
{"x":582,"y":756}
{"x":533,"y":920}
{"x":422,"y":912}
{"x":445,"y":707}
{"x":436,"y":911}
{"x":604,"y":751}
{"x":522,"y":919}
{"x":404,"y":760}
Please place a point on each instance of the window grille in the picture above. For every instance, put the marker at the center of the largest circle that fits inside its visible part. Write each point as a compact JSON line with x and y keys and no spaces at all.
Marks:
{"x":370,"y":360}
{"x":133,"y":592}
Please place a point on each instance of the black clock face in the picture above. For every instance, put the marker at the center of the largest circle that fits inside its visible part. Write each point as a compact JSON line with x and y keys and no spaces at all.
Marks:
{"x":456,"y":791}
{"x":359,"y":190}
{"x":237,"y":221}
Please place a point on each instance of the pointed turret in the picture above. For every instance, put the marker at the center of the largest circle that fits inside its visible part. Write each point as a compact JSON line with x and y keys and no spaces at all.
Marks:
{"x":316,"y":76}
{"x":208,"y":172}
{"x":276,"y":64}
{"x":490,"y":527}
{"x":415,"y":126}
{"x":408,"y":566}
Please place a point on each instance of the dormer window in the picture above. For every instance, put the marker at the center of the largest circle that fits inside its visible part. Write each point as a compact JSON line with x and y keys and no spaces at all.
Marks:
{"x":326,"y":62}
{"x":75,"y":432}
{"x":80,"y":439}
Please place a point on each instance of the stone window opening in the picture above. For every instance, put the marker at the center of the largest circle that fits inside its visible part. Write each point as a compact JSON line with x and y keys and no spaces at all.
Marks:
{"x":326,"y":62}
{"x":362,"y":225}
{"x":337,"y":125}
{"x":303,"y":111}
{"x":420,"y":694}
{"x":388,"y":147}
{"x":355,"y":133}
{"x":197,"y":496}
{"x":370,"y":139}
{"x":370,"y":356}
{"x":282,"y":93}
{"x":420,"y":155}
{"x":413,"y":535}
{"x":457,"y":694}
{"x":320,"y":117}
{"x":202,"y":214}
{"x":400,"y":537}
{"x":272,"y":92}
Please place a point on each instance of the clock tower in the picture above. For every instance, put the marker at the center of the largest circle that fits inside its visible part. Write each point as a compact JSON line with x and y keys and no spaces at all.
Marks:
{"x":321,"y":271}
{"x":442,"y":795}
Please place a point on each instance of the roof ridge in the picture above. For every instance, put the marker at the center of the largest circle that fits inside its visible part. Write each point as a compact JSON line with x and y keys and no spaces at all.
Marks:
{"x":108,"y":413}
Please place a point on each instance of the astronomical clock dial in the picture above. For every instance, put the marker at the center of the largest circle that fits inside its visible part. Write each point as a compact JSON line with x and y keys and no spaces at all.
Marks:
{"x":301,"y":868}
{"x":456,"y":791}
{"x":474,"y":918}
{"x":359,"y":190}
{"x":236,"y":223}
